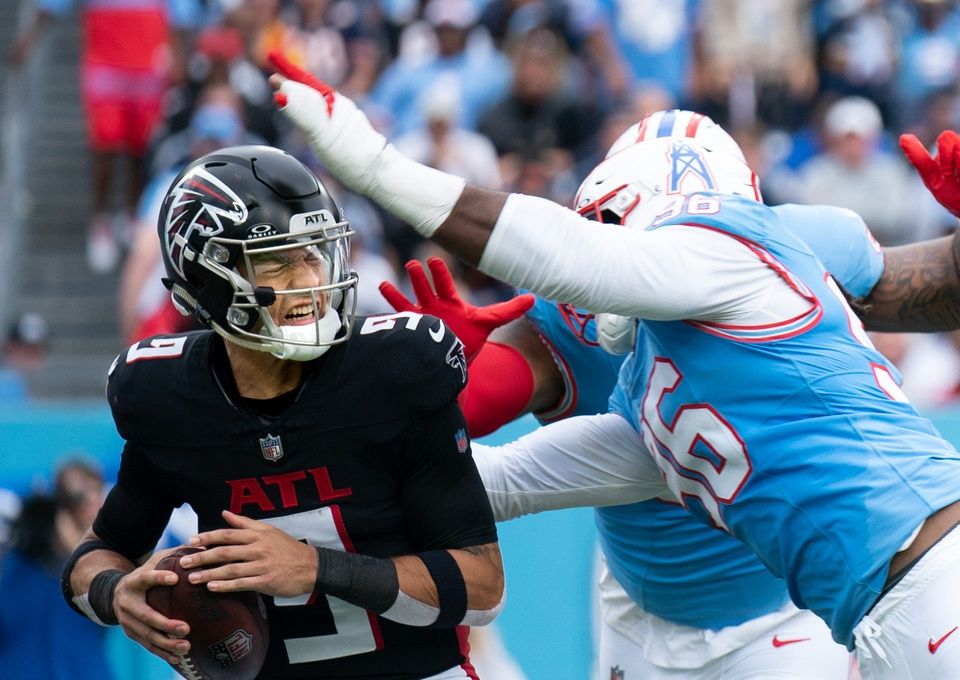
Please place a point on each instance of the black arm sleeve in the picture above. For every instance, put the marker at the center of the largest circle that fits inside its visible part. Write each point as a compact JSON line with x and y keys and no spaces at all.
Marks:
{"x":444,"y":502}
{"x":136,"y":510}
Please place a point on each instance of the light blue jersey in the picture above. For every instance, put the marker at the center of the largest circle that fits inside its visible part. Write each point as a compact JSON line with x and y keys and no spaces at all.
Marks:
{"x":794,"y":437}
{"x":669,"y":563}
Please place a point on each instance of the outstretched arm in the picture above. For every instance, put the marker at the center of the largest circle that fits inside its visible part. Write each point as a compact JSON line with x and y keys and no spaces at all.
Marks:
{"x":526,"y":241}
{"x":584,"y":461}
{"x":919,"y":290}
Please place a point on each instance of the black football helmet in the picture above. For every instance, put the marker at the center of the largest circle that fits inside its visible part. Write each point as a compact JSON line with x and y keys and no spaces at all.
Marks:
{"x":235,"y":206}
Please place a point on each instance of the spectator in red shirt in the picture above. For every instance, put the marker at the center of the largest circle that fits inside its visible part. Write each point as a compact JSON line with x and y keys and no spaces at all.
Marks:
{"x":130,"y":52}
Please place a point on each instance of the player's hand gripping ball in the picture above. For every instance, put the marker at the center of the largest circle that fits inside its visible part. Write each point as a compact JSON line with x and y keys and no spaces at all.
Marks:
{"x":228,"y":631}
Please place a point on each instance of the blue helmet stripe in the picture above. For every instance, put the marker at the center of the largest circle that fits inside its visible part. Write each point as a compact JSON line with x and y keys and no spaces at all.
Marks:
{"x":666,"y":123}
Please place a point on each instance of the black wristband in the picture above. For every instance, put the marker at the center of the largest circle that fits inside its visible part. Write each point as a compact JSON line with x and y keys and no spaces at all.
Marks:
{"x":451,"y":588}
{"x":362,"y":580}
{"x":101,"y":592}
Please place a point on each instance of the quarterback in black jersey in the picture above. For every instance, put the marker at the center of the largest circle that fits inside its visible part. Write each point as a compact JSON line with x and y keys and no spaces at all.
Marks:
{"x":325,"y":454}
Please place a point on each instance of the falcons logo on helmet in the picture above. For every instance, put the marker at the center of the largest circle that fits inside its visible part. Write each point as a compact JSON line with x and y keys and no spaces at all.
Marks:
{"x":199,"y":203}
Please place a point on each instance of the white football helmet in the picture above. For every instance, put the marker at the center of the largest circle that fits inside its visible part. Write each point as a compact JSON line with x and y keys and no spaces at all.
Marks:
{"x":631,"y":185}
{"x":623,"y":187}
{"x":678,"y":123}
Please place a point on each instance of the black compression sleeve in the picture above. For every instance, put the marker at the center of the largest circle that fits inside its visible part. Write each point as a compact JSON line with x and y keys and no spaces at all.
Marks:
{"x":362,"y":580}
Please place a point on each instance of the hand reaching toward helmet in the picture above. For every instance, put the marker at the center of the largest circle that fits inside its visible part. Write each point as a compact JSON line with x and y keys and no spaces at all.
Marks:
{"x":940,"y":173}
{"x":360,"y":157}
{"x":337,"y":131}
{"x":470,"y":323}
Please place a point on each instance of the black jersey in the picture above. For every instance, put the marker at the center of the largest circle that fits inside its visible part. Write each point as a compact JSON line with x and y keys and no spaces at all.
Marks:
{"x":370,"y":457}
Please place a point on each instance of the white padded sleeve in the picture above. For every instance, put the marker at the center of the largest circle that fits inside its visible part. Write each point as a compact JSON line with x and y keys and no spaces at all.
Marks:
{"x":675,"y":272}
{"x":359,"y":156}
{"x":579,"y":462}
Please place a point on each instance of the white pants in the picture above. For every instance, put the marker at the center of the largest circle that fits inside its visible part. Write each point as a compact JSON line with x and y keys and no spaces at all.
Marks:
{"x":789,"y":643}
{"x":912,"y":632}
{"x":818,"y":658}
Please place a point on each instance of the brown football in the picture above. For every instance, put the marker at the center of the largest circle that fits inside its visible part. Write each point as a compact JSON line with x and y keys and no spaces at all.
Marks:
{"x":228,"y":631}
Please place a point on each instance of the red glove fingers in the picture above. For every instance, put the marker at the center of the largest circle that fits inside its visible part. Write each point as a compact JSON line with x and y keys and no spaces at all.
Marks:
{"x":288,"y":70}
{"x":918,"y":156}
{"x":940,"y":174}
{"x":491,"y":316}
{"x":442,"y":279}
{"x":395,"y":298}
{"x":502,"y":313}
{"x":470,"y":323}
{"x":426,"y":298}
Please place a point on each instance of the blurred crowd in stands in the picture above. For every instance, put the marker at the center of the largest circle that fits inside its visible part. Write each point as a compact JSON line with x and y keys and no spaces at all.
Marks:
{"x":520,"y":95}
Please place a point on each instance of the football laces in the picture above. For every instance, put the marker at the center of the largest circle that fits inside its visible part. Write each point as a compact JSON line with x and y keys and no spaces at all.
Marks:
{"x":188,"y":668}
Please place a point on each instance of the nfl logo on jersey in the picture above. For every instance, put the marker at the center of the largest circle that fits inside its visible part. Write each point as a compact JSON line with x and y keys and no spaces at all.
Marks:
{"x":271,"y":448}
{"x":462,"y":440}
{"x":616,"y":673}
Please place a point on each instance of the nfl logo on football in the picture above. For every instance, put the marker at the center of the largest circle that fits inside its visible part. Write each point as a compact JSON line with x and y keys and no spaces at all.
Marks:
{"x":233,"y":648}
{"x":271,"y":448}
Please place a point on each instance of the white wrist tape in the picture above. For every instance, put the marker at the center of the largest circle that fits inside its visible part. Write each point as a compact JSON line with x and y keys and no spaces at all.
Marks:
{"x":341,"y":136}
{"x":83,"y":604}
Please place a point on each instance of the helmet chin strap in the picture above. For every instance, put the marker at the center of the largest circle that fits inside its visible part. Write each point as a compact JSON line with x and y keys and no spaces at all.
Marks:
{"x":323,"y":331}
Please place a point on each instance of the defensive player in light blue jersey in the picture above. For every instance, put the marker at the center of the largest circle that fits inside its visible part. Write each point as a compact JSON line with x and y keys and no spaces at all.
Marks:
{"x":762,"y":404}
{"x":695,"y":599}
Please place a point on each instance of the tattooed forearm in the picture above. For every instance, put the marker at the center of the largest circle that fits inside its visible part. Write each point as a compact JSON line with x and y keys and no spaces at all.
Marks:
{"x":483,"y":574}
{"x":919,"y":290}
{"x":487,"y":550}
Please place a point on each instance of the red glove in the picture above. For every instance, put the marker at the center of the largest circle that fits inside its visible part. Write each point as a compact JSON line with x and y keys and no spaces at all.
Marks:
{"x":471,"y":324}
{"x":288,"y":69}
{"x":941,"y":175}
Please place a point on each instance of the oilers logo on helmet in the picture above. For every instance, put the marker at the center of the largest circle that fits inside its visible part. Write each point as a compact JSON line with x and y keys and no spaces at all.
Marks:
{"x":687,"y":163}
{"x":620,"y":190}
